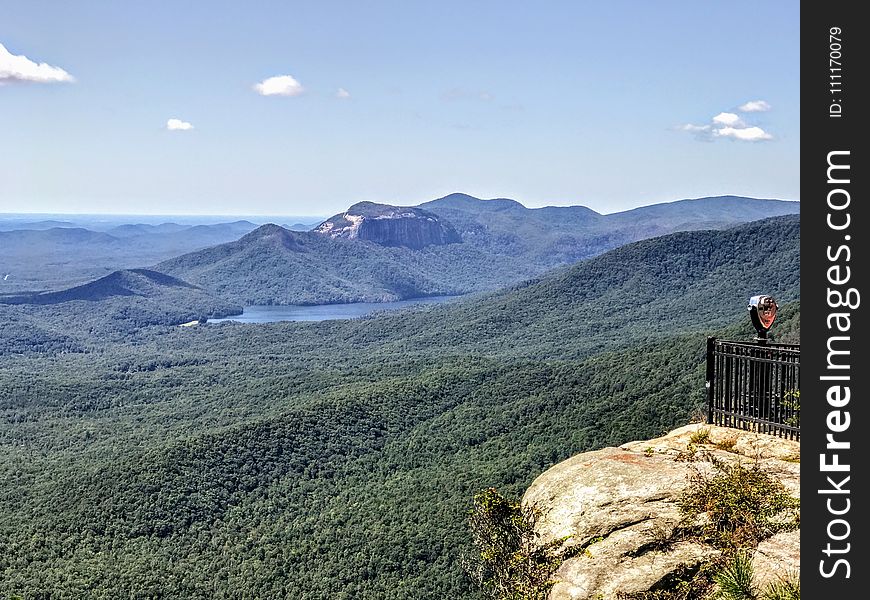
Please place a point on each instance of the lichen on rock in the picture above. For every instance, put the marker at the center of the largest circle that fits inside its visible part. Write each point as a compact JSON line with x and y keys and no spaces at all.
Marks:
{"x":621,"y":505}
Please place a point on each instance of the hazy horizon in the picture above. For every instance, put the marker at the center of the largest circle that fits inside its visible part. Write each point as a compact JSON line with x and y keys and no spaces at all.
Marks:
{"x":323,"y":216}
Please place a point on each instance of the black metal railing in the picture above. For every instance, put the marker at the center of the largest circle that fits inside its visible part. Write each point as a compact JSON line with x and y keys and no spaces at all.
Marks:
{"x":754,"y":386}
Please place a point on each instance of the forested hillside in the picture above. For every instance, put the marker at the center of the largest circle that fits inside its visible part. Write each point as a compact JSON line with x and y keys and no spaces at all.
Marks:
{"x":338,"y":459}
{"x":637,"y":292}
{"x":272,"y":265}
{"x":119,"y":304}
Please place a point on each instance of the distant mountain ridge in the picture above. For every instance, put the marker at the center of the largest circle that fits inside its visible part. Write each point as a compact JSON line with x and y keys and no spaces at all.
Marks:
{"x":727,"y":205}
{"x":556,"y":235}
{"x":10,"y":240}
{"x":371,"y":252}
{"x":58,"y":257}
{"x":464,"y":202}
{"x":13,"y":224}
{"x":452,"y":245}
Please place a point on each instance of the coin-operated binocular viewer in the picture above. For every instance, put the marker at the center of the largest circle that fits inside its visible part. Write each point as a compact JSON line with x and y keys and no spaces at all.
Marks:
{"x":762,"y":311}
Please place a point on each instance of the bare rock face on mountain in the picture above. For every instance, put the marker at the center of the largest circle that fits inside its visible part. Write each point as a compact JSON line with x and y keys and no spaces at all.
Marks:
{"x":390,"y":226}
{"x":620,"y":504}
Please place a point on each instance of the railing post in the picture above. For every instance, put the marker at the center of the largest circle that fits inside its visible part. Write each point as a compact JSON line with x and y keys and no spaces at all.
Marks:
{"x":711,"y":375}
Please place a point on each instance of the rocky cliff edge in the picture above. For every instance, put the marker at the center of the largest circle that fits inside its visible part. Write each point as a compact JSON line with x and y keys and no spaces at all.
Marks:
{"x":620,"y":504}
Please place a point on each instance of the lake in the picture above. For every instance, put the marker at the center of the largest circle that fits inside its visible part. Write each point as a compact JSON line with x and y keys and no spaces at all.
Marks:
{"x":324,"y":312}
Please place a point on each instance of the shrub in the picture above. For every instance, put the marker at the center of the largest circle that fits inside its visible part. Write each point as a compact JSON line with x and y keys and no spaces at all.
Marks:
{"x":701,"y":436}
{"x":735,"y":582}
{"x":727,"y":444}
{"x":508,"y":563}
{"x":787,"y":589}
{"x":792,"y":400}
{"x":735,"y":579}
{"x":740,"y":502}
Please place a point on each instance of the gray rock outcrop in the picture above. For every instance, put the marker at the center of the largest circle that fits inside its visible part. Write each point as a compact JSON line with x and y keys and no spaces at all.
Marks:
{"x":387,"y":225}
{"x":620,"y":506}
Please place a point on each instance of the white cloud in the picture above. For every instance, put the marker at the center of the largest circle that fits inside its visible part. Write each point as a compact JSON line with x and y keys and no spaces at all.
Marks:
{"x":694,"y":128}
{"x":280,"y":85}
{"x":15,"y":68}
{"x":178,"y":125}
{"x":730,"y":125}
{"x":755,"y":106}
{"x":745,"y":134}
{"x":727,"y":119}
{"x":342,"y":93}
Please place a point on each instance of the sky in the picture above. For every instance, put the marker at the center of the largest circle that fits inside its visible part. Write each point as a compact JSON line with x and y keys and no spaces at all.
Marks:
{"x":247,"y":108}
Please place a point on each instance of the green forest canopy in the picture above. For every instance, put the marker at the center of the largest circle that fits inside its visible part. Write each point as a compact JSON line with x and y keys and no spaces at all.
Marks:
{"x":338,"y":459}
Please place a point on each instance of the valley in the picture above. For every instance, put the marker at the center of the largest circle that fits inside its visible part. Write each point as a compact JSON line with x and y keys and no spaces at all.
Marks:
{"x":338,"y":458}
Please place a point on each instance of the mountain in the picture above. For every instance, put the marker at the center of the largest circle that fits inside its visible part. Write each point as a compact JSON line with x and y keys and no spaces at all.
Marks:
{"x":272,"y":265}
{"x":32,"y":240}
{"x":297,"y":227}
{"x":455,"y":245}
{"x":130,"y":282}
{"x":506,"y":227}
{"x":387,"y":225}
{"x":715,"y":209}
{"x":708,"y":209}
{"x":222,"y":230}
{"x":53,"y":258}
{"x":10,"y":224}
{"x":134,"y":229}
{"x":469,"y":205}
{"x":122,"y":300}
{"x":556,"y":235}
{"x":639,"y":291}
{"x":452,"y":245}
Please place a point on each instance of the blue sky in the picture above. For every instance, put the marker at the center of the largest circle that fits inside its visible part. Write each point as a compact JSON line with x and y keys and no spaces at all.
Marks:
{"x":549,"y":103}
